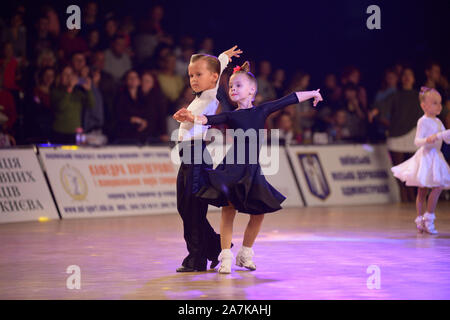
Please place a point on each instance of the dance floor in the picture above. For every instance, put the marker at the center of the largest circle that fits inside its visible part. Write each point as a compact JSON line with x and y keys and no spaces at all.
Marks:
{"x":363,"y":252}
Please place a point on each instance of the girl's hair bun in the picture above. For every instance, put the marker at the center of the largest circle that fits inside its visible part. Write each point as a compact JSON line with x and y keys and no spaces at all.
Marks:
{"x":246,"y":66}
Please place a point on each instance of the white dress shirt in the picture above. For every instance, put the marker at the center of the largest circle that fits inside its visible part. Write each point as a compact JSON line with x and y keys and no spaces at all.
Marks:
{"x":206,"y":104}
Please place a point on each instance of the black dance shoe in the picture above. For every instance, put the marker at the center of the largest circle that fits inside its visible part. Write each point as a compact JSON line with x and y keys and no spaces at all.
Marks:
{"x":187,"y":269}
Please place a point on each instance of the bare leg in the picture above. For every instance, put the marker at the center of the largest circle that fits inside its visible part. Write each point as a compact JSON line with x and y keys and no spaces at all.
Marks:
{"x":433,"y":199}
{"x":226,"y":226}
{"x":421,"y":200}
{"x":252,"y":230}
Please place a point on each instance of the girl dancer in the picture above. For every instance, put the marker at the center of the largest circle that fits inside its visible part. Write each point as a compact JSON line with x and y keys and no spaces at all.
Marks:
{"x":238,"y":186}
{"x":427,"y":169}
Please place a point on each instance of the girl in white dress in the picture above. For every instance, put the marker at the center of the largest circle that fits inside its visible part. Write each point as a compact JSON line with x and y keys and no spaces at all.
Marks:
{"x":427,"y":169}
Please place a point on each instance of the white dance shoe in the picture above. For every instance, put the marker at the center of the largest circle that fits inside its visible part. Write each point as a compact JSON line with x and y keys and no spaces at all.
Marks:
{"x":244,"y":258}
{"x":225,"y":258}
{"x":419,"y":224}
{"x":428,"y":222}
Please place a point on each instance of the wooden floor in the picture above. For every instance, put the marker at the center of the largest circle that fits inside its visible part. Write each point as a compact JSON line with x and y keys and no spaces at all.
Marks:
{"x":312,"y":253}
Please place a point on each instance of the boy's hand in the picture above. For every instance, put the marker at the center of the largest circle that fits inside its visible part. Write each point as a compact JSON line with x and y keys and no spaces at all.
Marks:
{"x":183,"y":115}
{"x":233,"y":52}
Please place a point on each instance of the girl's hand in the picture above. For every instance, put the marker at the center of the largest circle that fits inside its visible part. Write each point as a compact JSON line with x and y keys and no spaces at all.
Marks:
{"x":432,"y":139}
{"x":233,"y":52}
{"x":317,"y":97}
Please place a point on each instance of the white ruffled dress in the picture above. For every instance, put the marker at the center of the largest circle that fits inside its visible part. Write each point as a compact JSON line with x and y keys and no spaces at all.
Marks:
{"x":428,"y":167}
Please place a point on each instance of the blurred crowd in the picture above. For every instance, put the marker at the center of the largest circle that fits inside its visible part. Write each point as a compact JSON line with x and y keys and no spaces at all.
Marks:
{"x":119,"y":79}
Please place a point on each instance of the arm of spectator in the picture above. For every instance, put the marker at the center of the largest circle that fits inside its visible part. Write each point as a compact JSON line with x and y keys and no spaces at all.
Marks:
{"x":89,"y":98}
{"x":384,"y":108}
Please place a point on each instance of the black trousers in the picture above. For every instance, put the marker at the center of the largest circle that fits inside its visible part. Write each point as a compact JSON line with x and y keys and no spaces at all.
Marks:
{"x":202,"y":242}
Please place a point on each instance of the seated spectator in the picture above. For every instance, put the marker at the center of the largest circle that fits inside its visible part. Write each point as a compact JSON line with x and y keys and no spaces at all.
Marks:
{"x":186,"y":97}
{"x":53,"y":20}
{"x":9,"y":68}
{"x":93,"y":117}
{"x":38,"y":113}
{"x":340,"y":130}
{"x":356,"y":115}
{"x":110,"y":32}
{"x":90,"y":20}
{"x":171,"y":83}
{"x":265,"y":88}
{"x":145,"y":44}
{"x":153,"y":23}
{"x":207,"y":46}
{"x":288,"y":133}
{"x":67,"y":102}
{"x":331,"y":93}
{"x":400,"y":112}
{"x":131,"y":119}
{"x":154,"y":108}
{"x":388,"y":86}
{"x":377,"y":129}
{"x":16,"y":34}
{"x":278,"y":82}
{"x":183,"y":61}
{"x":304,"y":113}
{"x":108,"y":89}
{"x":42,"y":39}
{"x":93,"y":40}
{"x":117,"y":61}
{"x":352,"y":75}
{"x":45,"y":59}
{"x":8,"y":114}
{"x":186,"y":41}
{"x":126,"y":29}
{"x":71,"y":42}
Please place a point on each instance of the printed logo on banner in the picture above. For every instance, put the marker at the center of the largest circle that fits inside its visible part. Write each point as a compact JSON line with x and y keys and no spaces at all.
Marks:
{"x":314,"y":175}
{"x":73,"y":182}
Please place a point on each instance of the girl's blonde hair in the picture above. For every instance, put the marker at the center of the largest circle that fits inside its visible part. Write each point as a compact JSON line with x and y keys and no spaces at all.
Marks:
{"x":245,"y":69}
{"x":424,"y":91}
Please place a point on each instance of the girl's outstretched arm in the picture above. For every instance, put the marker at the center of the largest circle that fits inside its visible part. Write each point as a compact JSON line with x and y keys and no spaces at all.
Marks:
{"x":293,"y":98}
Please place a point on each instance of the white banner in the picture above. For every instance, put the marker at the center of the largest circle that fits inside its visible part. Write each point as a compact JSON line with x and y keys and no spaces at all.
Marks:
{"x":112,"y":181}
{"x":344,"y":174}
{"x":283,"y":178}
{"x":24,"y":193}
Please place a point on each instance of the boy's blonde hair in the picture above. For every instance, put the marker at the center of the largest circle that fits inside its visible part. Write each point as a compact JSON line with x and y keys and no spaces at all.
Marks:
{"x":213,"y":64}
{"x":425,"y":91}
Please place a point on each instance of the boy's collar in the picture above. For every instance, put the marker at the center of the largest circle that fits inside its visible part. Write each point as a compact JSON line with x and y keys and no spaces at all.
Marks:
{"x":204,"y":92}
